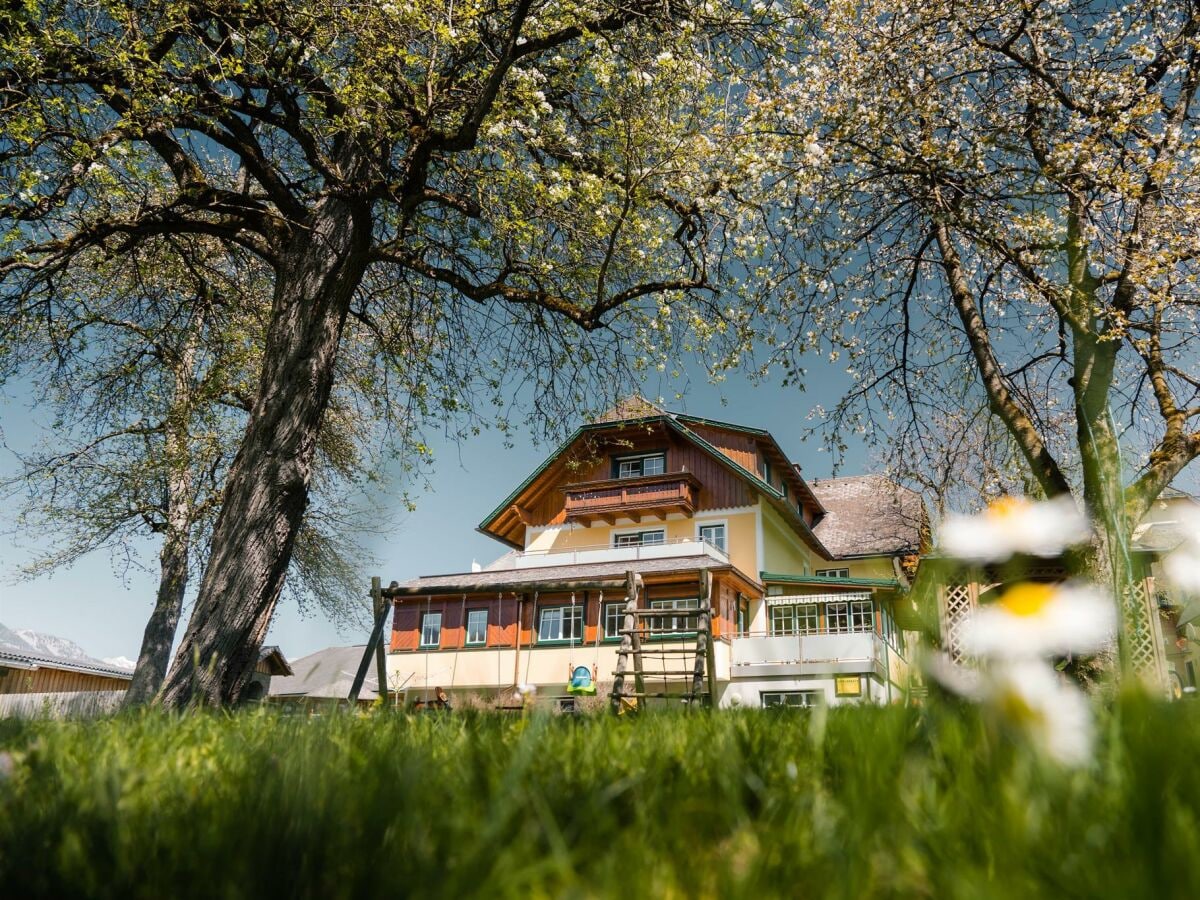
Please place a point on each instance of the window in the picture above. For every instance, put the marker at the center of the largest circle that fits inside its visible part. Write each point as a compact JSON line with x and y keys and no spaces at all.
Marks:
{"x":792,"y":699}
{"x":431,"y":629}
{"x":614,"y":619}
{"x":801,"y":619}
{"x":766,"y":472}
{"x":714,"y":535}
{"x":560,"y":623}
{"x":862,"y":615}
{"x":640,"y":538}
{"x":636,"y":466}
{"x":837,"y":617}
{"x":833,"y":573}
{"x":775,"y":590}
{"x":476,"y":627}
{"x":673,"y":623}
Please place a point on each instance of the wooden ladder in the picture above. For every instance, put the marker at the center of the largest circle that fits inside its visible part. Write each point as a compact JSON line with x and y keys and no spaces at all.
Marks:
{"x":694,"y":684}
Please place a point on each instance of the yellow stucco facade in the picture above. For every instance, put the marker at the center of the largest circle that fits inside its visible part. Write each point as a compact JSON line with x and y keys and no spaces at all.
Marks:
{"x":741,"y":526}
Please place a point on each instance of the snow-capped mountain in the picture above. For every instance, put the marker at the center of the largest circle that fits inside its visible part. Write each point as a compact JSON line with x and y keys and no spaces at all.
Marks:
{"x":37,"y":643}
{"x":50,"y":645}
{"x":121,"y":662}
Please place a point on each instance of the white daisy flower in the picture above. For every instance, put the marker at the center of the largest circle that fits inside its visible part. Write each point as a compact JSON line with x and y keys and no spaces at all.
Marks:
{"x":1182,"y":565}
{"x":1056,"y":716}
{"x":1014,"y":525}
{"x":1032,"y":619}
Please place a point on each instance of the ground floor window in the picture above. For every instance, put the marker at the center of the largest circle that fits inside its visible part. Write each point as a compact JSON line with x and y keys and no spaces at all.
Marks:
{"x":674,"y":623}
{"x":476,"y":627}
{"x":614,"y":618}
{"x":796,"y":699}
{"x":431,"y":629}
{"x":560,"y":623}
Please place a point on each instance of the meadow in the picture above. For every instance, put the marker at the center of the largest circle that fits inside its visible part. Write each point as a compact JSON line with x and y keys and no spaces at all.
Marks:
{"x":850,"y":802}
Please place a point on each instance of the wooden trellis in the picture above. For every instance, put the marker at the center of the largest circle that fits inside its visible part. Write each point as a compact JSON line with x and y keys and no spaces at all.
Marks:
{"x":956,"y":602}
{"x":1142,"y":632}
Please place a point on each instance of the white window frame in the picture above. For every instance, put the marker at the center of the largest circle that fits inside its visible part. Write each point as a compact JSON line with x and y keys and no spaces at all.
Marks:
{"x":832,"y":573}
{"x":613,"y":624}
{"x":562,"y":614}
{"x":687,"y":624}
{"x":474,"y":614}
{"x":431,"y":621}
{"x":620,"y":462}
{"x":841,"y":624}
{"x":795,"y":618}
{"x":857,"y":610}
{"x":723,"y":524}
{"x":807,"y":699}
{"x":618,"y":537}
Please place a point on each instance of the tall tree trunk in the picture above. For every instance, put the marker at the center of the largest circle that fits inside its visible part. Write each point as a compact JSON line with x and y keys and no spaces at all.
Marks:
{"x":267,"y":489}
{"x":159,"y":635}
{"x":155,"y":654}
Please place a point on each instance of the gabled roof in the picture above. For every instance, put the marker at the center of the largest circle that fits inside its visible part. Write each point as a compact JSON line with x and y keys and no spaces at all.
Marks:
{"x":326,"y":674}
{"x":869,"y":515}
{"x":273,"y":659}
{"x":678,"y":424}
{"x":30,"y":661}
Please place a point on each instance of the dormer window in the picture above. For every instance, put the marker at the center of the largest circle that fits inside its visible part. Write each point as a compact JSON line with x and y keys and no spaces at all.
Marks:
{"x":639,"y":465}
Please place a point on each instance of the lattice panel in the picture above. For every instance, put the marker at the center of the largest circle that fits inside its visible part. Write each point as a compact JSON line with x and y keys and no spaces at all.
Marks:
{"x":1141,"y":639}
{"x":958,"y":602}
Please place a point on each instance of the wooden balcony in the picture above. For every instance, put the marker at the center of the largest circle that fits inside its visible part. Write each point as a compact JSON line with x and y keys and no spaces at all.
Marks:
{"x":649,"y":496}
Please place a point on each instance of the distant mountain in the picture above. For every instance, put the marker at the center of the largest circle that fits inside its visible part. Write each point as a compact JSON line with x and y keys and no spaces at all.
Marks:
{"x":37,"y":643}
{"x":50,"y":645}
{"x":121,"y":662}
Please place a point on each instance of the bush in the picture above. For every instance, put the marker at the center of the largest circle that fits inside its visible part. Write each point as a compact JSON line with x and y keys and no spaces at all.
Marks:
{"x":849,"y":802}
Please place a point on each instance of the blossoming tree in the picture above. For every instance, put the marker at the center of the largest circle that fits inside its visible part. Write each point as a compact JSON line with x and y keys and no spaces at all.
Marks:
{"x":1005,"y":196}
{"x":568,"y":167}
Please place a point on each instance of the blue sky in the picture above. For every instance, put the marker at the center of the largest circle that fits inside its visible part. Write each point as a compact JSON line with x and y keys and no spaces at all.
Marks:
{"x":105,"y":613}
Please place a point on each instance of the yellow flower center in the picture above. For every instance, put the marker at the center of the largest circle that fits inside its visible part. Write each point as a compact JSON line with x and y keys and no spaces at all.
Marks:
{"x":1027,"y":598}
{"x":1007,"y":507}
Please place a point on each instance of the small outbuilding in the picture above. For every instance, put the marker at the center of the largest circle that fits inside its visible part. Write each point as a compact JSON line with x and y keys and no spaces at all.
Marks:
{"x":322,"y":680}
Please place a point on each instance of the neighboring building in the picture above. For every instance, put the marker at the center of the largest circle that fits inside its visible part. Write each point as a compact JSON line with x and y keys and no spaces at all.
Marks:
{"x":808,"y":580}
{"x":24,"y":673}
{"x":322,"y":680}
{"x":1177,"y":621}
{"x":271,"y":663}
{"x":44,"y":673}
{"x":1165,"y":652}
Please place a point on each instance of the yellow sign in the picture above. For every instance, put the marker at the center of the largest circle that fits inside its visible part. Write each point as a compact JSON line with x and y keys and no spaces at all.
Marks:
{"x":847,"y":686}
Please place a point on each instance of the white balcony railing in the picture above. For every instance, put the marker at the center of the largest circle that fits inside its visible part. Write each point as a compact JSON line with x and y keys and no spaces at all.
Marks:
{"x":536,"y":559}
{"x":844,"y":652}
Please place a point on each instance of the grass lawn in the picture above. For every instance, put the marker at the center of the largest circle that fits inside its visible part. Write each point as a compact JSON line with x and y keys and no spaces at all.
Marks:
{"x":856,"y":802}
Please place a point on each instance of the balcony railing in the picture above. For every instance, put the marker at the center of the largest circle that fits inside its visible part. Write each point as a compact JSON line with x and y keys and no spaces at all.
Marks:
{"x":632,"y":497}
{"x":810,"y":654}
{"x":536,"y":559}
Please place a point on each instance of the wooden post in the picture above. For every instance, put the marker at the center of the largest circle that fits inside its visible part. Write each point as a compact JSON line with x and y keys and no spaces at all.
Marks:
{"x":629,"y":644}
{"x":380,"y":654}
{"x":374,"y":641}
{"x":703,"y":633}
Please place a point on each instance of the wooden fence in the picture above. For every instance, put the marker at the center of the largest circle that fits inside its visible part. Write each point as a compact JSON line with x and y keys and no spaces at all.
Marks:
{"x":63,"y":704}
